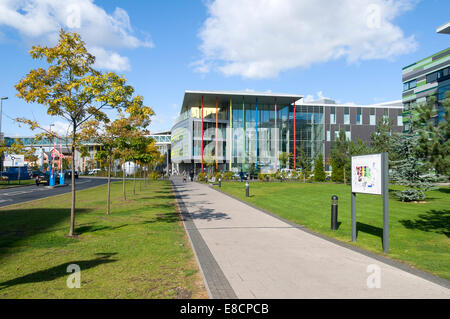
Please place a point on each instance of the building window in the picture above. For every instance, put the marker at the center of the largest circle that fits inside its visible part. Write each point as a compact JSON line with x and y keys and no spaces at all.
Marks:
{"x":332,"y":115}
{"x":348,"y":135}
{"x":386,"y":114}
{"x":432,"y":77}
{"x":358,"y":116}
{"x":409,"y":85}
{"x":399,"y":118}
{"x":372,"y":116}
{"x":346,"y":115}
{"x":328,"y":136}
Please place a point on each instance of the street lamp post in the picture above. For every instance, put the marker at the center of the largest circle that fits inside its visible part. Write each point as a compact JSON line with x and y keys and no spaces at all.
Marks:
{"x":1,"y":135}
{"x":1,"y":110}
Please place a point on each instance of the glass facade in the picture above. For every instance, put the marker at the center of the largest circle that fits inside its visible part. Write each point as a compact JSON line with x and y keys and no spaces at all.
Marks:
{"x":246,"y":132}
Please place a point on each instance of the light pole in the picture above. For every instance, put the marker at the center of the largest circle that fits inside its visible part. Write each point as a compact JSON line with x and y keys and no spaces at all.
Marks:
{"x":1,"y":134}
{"x":1,"y":111}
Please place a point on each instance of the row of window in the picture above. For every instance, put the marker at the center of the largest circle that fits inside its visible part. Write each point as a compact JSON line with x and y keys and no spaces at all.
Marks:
{"x":372,"y":118}
{"x":433,"y":77}
{"x":430,"y":78}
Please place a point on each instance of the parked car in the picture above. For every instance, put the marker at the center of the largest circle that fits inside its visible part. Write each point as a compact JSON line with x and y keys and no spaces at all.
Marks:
{"x":44,"y":178}
{"x":68,"y":174}
{"x":94,"y":171}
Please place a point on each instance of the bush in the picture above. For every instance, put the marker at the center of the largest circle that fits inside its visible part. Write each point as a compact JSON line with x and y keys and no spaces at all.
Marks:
{"x":217,"y":175}
{"x":155,"y":175}
{"x":227,"y":176}
{"x":337,"y":174}
{"x":319,"y":171}
{"x":261,"y":176}
{"x":201,"y":177}
{"x":410,"y":194}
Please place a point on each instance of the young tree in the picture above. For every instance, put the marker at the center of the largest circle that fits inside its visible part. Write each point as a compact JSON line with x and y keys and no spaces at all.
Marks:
{"x":72,"y":89}
{"x":93,"y":132}
{"x":284,"y":159}
{"x":129,"y":131}
{"x":340,"y":157}
{"x":303,"y":161}
{"x":381,"y":139}
{"x":433,"y":139}
{"x":319,"y":170}
{"x":410,"y":169}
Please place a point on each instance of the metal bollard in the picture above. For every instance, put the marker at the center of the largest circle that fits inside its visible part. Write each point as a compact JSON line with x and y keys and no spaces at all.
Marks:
{"x":334,"y":212}
{"x":220,"y":182}
{"x":247,"y":189}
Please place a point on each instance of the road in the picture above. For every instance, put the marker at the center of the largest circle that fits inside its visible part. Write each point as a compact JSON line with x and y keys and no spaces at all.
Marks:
{"x":27,"y":193}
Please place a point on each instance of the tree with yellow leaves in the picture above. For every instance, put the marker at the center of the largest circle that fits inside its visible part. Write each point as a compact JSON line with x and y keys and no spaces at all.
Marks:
{"x":72,"y":89}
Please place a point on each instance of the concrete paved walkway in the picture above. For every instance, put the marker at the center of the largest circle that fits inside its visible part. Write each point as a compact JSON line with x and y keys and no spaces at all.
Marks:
{"x":261,"y":256}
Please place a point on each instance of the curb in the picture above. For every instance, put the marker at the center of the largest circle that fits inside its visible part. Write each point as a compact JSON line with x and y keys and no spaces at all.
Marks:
{"x":391,"y":262}
{"x":55,"y":186}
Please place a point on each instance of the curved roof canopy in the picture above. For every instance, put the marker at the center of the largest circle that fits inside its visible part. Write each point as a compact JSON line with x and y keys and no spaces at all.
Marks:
{"x":194,"y":98}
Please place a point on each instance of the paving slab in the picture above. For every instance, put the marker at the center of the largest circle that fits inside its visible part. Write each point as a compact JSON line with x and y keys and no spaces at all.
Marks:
{"x":261,"y":256}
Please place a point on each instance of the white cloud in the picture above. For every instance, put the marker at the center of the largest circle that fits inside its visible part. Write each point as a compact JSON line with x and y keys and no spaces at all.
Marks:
{"x":110,"y":60}
{"x":260,"y":38}
{"x":60,"y":128}
{"x":40,"y":20}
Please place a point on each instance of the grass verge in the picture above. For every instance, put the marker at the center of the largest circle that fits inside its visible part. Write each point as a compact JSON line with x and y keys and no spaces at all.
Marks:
{"x":419,"y":232}
{"x":25,"y":182}
{"x":139,"y":251}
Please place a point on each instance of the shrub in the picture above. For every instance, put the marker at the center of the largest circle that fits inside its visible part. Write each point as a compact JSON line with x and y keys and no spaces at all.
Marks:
{"x":217,"y":176}
{"x":227,"y":176}
{"x":201,"y":177}
{"x":337,"y":174}
{"x":410,"y":194}
{"x":155,"y":175}
{"x":319,"y":171}
{"x":261,"y":176}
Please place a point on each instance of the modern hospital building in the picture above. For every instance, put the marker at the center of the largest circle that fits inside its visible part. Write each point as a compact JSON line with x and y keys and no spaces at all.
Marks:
{"x":236,"y":130}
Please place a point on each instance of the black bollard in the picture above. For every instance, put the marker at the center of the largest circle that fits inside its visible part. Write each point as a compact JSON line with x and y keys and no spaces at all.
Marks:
{"x":334,"y":212}
{"x":220,"y":182}
{"x":247,"y":189}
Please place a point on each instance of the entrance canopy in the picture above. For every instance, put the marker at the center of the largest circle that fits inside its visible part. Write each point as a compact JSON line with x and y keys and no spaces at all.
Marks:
{"x":194,"y":98}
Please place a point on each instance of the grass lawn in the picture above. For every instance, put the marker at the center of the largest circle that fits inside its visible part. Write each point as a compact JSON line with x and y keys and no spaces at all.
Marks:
{"x":419,"y":232}
{"x":5,"y":184}
{"x":139,"y":251}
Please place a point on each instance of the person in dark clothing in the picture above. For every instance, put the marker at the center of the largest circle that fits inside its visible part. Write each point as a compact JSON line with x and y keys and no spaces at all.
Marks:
{"x":191,"y":174}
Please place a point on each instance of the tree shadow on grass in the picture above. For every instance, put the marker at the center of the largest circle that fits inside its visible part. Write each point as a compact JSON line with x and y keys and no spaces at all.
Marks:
{"x":437,"y":221}
{"x":87,"y":228}
{"x":164,"y":218}
{"x":58,"y":271}
{"x":445,"y":190}
{"x":22,"y":224}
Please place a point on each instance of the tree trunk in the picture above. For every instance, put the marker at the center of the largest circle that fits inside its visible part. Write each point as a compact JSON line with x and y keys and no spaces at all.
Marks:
{"x":18,"y":176}
{"x":345,"y":180}
{"x":72,"y":208}
{"x":141,"y":177}
{"x":134,"y":180}
{"x":123,"y":182}
{"x":108,"y":204}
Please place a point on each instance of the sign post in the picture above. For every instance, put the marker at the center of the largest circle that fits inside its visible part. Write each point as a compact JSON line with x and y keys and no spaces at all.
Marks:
{"x":370,"y":176}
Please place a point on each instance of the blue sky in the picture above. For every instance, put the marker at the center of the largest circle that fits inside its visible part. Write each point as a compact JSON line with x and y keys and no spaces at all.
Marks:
{"x":166,"y":47}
